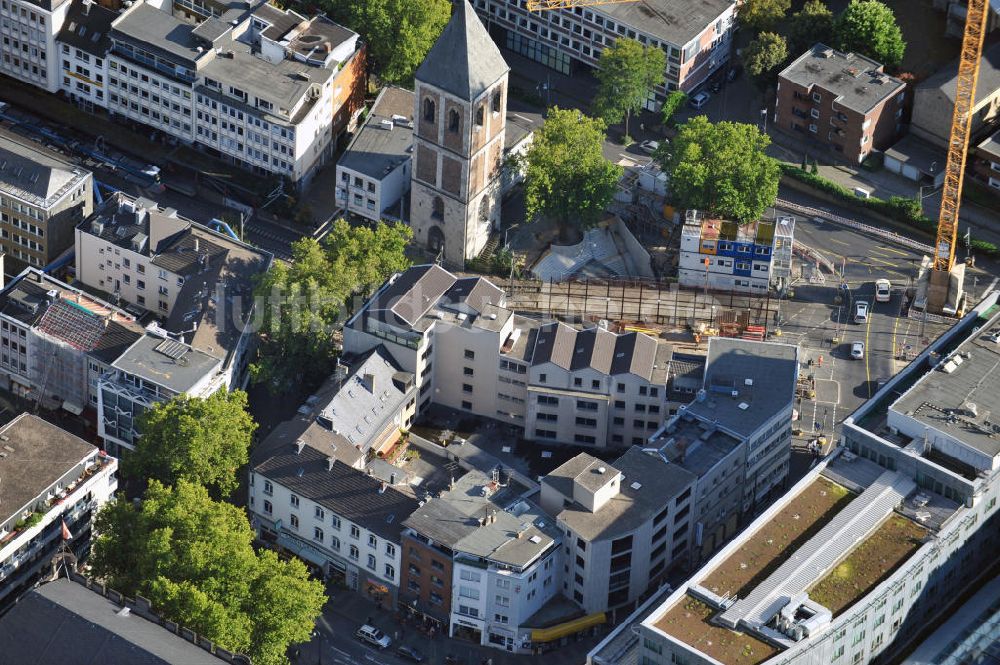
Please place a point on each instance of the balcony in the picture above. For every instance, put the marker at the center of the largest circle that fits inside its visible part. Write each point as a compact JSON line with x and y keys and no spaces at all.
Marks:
{"x":799,"y":113}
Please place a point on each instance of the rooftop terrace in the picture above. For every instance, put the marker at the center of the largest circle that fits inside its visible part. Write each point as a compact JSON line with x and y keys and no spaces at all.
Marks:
{"x":688,"y":621}
{"x":778,"y":539}
{"x":871,"y":562}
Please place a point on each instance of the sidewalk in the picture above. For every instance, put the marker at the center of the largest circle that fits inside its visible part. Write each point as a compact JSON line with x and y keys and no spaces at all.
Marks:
{"x":347,"y":610}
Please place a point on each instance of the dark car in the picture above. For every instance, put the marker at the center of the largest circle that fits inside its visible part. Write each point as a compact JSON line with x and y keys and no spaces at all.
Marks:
{"x":716,"y":86}
{"x":732,"y":74}
{"x":410,"y":654}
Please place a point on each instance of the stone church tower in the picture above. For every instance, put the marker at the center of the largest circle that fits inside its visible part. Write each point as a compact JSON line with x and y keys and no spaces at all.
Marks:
{"x":461,"y":104}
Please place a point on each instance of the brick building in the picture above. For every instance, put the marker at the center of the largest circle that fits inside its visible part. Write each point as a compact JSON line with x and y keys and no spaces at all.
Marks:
{"x":843,"y":102}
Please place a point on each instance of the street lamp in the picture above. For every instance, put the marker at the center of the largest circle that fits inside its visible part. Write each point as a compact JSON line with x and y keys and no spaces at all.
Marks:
{"x":763,"y":115}
{"x":319,"y":646}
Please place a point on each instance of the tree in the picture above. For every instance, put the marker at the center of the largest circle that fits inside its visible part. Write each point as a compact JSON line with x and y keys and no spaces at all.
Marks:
{"x":567,"y":177}
{"x":765,"y":54}
{"x":812,"y":25}
{"x":305,"y":300}
{"x":722,"y":168}
{"x":869,"y":27}
{"x":672,"y":104}
{"x":763,"y":14}
{"x":193,"y":558}
{"x":627,"y":72}
{"x":399,"y":33}
{"x":204,"y":441}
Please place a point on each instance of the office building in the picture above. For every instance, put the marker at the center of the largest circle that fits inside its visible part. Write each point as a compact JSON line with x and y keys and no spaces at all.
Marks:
{"x":42,"y":197}
{"x":986,"y":160}
{"x":84,"y":42}
{"x":842,"y":101}
{"x":50,"y":480}
{"x":28,"y":46}
{"x":878,"y":541}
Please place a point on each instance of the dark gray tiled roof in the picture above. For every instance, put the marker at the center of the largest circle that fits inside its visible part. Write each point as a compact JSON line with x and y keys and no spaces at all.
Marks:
{"x":35,"y":455}
{"x":347,"y":492}
{"x":375,"y":149}
{"x":34,"y":174}
{"x":855,"y":79}
{"x":464,"y":61}
{"x":987,"y":84}
{"x":65,"y":622}
{"x":411,"y":295}
{"x":88,"y":27}
{"x":604,"y":351}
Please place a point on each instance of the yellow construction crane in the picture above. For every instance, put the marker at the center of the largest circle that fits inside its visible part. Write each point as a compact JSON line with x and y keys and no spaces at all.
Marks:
{"x":958,"y":146}
{"x":545,"y":5}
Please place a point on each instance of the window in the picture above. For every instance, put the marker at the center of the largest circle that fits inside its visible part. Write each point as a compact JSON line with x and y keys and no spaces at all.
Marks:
{"x":584,"y":405}
{"x":470,"y":576}
{"x":470,"y":355}
{"x":390,"y":549}
{"x":268,"y":488}
{"x":480,"y":112}
{"x":318,"y":534}
{"x":354,"y":552}
{"x":355,"y":532}
{"x":467,"y":371}
{"x":335,"y":522}
{"x":294,"y":500}
{"x":268,"y":508}
{"x":454,"y":121}
{"x":390,"y":572}
{"x":468,"y":592}
{"x":467,"y":405}
{"x":503,"y":601}
{"x":294,"y":520}
{"x":372,"y":562}
{"x":335,"y":543}
{"x":428,"y":109}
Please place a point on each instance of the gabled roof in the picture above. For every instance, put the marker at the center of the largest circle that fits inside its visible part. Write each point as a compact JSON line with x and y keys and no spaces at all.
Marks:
{"x":596,"y":348}
{"x":464,"y":60}
{"x":88,"y":27}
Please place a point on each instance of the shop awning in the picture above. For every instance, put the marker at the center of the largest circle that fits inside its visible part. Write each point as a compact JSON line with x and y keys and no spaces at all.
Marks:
{"x":302,"y":550}
{"x":568,"y":628}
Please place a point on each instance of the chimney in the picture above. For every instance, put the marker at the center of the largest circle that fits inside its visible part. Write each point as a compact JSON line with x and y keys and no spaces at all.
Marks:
{"x":381,"y":488}
{"x":369,"y":382}
{"x":329,"y":463}
{"x":392,"y":478}
{"x":299,"y":445}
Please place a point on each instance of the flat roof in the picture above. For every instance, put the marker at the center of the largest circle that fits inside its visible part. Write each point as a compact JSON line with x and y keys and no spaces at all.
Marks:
{"x":695,"y":445}
{"x":378,"y":148}
{"x":34,"y":454}
{"x":146,"y":24}
{"x":960,"y":394}
{"x":658,"y":484}
{"x":673,"y":21}
{"x":746,"y":383}
{"x":34,"y":174}
{"x":65,"y":622}
{"x":689,"y":621}
{"x":166,"y":362}
{"x":858,"y":81}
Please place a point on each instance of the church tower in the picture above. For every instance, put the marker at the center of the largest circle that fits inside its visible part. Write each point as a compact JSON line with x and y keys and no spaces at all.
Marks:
{"x":461,"y":104}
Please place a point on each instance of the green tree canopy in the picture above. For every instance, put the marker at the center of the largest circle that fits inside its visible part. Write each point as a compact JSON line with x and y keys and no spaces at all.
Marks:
{"x":192,"y":557}
{"x":762,"y":14}
{"x":204,"y":441}
{"x":399,"y":33}
{"x":811,"y":25}
{"x":722,"y":168}
{"x":764,"y":55}
{"x":567,"y":177}
{"x":299,"y":304}
{"x":674,"y":102}
{"x":869,"y":27}
{"x":627,"y":72}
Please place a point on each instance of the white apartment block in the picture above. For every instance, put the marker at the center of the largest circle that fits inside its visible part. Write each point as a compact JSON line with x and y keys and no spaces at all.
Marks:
{"x":83,"y":43}
{"x":50,"y":478}
{"x":343,"y":523}
{"x":28,"y":33}
{"x":254,"y":86}
{"x":696,"y":36}
{"x":718,"y":254}
{"x":625,"y":524}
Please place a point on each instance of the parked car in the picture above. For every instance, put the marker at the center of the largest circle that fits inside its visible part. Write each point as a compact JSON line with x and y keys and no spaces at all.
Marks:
{"x":732,"y":74}
{"x":373,"y":636}
{"x":883,"y":290}
{"x":699,"y":100}
{"x":858,"y":350}
{"x":649,"y":147}
{"x":716,"y":86}
{"x":861,"y":312}
{"x":410,"y":654}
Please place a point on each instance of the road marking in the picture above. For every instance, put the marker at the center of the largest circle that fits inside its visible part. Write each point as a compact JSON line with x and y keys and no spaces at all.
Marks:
{"x":868,"y":375}
{"x":895,"y":251}
{"x":839,"y":242}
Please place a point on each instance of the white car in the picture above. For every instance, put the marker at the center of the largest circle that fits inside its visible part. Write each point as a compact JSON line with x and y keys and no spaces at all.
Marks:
{"x":883,"y":290}
{"x":649,"y":147}
{"x":858,"y":350}
{"x":699,"y":100}
{"x":861,"y":312}
{"x":373,"y":636}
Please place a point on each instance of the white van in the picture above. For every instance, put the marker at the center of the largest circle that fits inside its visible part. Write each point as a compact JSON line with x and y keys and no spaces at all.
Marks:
{"x":373,"y":636}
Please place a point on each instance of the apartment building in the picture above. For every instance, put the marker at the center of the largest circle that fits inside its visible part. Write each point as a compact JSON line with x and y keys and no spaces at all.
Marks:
{"x":57,"y":341}
{"x":251,"y":85}
{"x":373,"y":174}
{"x":197,"y":283}
{"x":696,"y":36}
{"x":841,"y":101}
{"x":986,"y":161}
{"x":725,"y":255}
{"x":51,"y":481}
{"x":624,"y":525}
{"x":468,"y":351}
{"x":42,"y":197}
{"x":503,"y":553}
{"x":343,"y":523}
{"x":891,"y":530}
{"x":28,"y":47}
{"x":83,"y":43}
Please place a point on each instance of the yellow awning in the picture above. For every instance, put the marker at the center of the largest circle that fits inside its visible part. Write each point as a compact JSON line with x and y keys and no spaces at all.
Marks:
{"x":568,"y":628}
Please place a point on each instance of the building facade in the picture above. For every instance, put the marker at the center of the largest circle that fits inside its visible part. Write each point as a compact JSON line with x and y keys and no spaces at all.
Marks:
{"x":51,"y":480}
{"x":841,"y":101}
{"x":42,"y":197}
{"x":696,"y":37}
{"x":28,"y":49}
{"x":461,"y":100}
{"x":718,"y":254}
{"x":986,"y":161}
{"x":83,"y":43}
